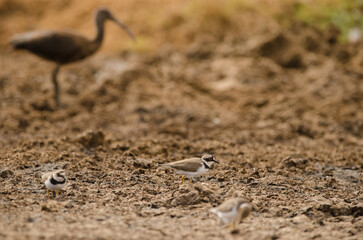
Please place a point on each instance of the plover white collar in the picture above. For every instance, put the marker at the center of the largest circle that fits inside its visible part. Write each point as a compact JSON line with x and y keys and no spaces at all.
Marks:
{"x":233,"y":210}
{"x":54,"y":181}
{"x":191,"y":167}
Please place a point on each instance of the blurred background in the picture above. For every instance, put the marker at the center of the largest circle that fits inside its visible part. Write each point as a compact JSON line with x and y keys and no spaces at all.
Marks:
{"x":182,"y":22}
{"x":296,"y":61}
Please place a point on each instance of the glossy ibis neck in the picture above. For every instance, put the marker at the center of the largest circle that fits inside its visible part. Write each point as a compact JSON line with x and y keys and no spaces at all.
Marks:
{"x":100,"y":30}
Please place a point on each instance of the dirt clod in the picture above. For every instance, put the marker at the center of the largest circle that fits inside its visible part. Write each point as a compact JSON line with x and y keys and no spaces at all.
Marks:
{"x":6,"y":174}
{"x":91,"y":139}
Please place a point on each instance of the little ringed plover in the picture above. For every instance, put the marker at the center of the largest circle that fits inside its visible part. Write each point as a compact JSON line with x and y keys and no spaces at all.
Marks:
{"x":191,"y":167}
{"x":233,"y":210}
{"x":54,"y":181}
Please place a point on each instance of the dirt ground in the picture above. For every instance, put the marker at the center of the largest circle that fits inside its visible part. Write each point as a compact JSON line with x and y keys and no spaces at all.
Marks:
{"x":281,"y":110}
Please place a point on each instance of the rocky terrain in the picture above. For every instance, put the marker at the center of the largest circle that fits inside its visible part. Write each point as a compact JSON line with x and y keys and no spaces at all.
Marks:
{"x":281,"y":109}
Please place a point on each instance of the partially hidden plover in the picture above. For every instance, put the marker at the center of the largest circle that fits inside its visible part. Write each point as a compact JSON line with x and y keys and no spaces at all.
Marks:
{"x":54,"y":181}
{"x":191,"y":167}
{"x":233,"y":210}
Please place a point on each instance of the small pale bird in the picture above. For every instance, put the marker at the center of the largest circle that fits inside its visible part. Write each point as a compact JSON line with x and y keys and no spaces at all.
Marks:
{"x":191,"y":167}
{"x":54,"y":181}
{"x":233,"y":210}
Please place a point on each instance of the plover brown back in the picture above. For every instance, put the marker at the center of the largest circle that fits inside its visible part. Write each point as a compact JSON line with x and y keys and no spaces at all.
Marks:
{"x":191,"y":167}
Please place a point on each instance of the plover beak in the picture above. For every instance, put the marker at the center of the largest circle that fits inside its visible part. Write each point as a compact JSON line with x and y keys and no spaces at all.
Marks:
{"x":215,"y":161}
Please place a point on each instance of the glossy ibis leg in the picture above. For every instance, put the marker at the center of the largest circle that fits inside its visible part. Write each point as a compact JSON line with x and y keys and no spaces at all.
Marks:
{"x":56,"y":86}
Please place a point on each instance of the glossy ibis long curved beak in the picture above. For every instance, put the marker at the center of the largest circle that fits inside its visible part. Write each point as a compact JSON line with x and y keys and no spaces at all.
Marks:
{"x":124,"y":27}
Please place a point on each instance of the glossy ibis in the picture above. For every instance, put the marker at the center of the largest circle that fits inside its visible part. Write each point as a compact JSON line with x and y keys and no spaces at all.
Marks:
{"x":64,"y":47}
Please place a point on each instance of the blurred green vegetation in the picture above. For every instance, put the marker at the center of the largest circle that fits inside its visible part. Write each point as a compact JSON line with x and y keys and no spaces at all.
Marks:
{"x":344,"y":14}
{"x":216,"y":17}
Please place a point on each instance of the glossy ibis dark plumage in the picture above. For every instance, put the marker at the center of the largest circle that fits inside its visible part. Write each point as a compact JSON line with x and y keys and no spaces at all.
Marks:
{"x":64,"y":47}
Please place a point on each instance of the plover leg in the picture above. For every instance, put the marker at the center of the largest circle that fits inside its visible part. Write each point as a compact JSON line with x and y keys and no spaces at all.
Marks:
{"x":183,"y":179}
